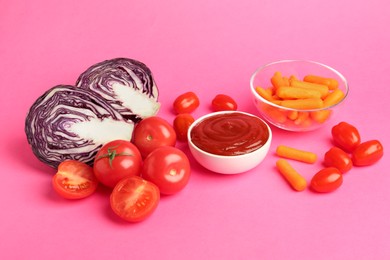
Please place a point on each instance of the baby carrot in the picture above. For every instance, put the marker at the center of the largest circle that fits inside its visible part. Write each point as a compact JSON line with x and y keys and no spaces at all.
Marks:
{"x":333,"y":98}
{"x":294,"y":93}
{"x":323,"y":89}
{"x":278,"y":81}
{"x":270,"y":91}
{"x":305,"y":123}
{"x":292,"y":77}
{"x":307,"y":103}
{"x":301,"y":118}
{"x":292,"y":114}
{"x":330,"y":82}
{"x":296,"y":181}
{"x":286,"y":81}
{"x":264,"y":93}
{"x":320,"y":116}
{"x":275,"y":114}
{"x":295,"y":154}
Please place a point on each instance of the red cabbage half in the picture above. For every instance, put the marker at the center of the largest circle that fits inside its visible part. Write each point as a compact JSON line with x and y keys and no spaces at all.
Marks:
{"x":74,"y":122}
{"x":126,"y":84}
{"x":71,"y":123}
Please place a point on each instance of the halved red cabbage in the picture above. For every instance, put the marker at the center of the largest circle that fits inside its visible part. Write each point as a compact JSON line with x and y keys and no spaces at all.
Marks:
{"x":126,"y":84}
{"x":67,"y":122}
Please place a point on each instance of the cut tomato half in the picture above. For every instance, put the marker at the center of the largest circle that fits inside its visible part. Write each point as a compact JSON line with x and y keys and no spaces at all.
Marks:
{"x":74,"y":180}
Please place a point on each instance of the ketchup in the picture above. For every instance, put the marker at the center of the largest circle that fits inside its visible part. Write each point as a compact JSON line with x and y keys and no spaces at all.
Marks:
{"x":230,"y":134}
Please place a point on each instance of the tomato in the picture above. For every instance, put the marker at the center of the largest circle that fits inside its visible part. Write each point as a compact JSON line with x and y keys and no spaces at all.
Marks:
{"x":153,"y":132}
{"x":367,"y":153}
{"x":223,"y":102}
{"x":168,"y":168}
{"x":346,"y":136}
{"x":116,"y":160}
{"x":326,"y":180}
{"x":186,"y":103}
{"x":74,"y":180}
{"x":181,"y":123}
{"x":339,"y":159}
{"x":134,"y":199}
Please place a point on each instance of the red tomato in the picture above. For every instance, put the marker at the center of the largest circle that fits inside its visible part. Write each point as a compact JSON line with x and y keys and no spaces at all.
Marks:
{"x":367,"y":153}
{"x":74,"y":180}
{"x":186,"y":103}
{"x":223,"y":102}
{"x":181,"y":123}
{"x":116,"y":160}
{"x":134,"y":199}
{"x":153,"y":132}
{"x":326,"y":180}
{"x":346,"y":136}
{"x":168,"y":168}
{"x":339,"y":159}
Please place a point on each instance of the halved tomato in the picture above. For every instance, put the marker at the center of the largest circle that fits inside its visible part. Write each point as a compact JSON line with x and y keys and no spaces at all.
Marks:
{"x":134,"y":199}
{"x":74,"y":180}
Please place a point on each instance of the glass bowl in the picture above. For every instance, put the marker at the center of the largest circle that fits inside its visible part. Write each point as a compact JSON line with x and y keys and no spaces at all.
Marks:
{"x":272,"y":86}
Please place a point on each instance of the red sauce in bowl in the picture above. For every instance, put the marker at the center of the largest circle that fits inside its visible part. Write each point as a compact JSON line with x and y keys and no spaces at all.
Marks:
{"x":230,"y":134}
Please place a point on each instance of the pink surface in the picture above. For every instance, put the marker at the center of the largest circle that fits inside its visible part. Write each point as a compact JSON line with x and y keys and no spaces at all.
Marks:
{"x":208,"y":47}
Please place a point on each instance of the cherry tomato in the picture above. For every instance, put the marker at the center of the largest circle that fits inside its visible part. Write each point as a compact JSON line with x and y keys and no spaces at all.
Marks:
{"x":134,"y":199}
{"x":74,"y":180}
{"x":181,"y":123}
{"x":346,"y":136}
{"x":116,"y":160}
{"x":339,"y":159}
{"x":186,"y":103}
{"x":326,"y":180}
{"x":153,"y":132}
{"x":168,"y":168}
{"x":223,"y":102}
{"x":367,"y":153}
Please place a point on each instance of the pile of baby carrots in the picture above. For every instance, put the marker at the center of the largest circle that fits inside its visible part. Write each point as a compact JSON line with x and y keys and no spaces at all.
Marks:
{"x":311,"y":93}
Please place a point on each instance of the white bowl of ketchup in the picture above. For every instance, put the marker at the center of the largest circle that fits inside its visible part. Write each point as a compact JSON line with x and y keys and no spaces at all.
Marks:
{"x":229,"y":142}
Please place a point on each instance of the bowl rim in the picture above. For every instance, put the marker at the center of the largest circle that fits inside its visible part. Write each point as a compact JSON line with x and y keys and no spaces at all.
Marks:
{"x":253,"y":90}
{"x":200,"y":119}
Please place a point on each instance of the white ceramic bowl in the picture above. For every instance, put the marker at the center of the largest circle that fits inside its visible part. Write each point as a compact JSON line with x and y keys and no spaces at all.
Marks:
{"x":291,"y":119}
{"x":229,"y":164}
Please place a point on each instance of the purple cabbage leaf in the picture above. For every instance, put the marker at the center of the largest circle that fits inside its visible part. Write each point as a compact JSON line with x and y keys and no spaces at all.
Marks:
{"x":126,"y":84}
{"x":68,"y":122}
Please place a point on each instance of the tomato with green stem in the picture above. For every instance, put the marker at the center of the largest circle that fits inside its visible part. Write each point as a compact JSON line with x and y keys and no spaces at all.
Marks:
{"x":134,"y":199}
{"x":116,"y":160}
{"x":74,"y":180}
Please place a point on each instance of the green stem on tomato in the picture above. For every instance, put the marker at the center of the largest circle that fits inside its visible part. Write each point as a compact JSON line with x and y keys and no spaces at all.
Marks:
{"x":111,"y":154}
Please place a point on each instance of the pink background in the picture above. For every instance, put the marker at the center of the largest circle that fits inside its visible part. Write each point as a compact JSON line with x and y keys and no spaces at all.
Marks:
{"x":208,"y":47}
